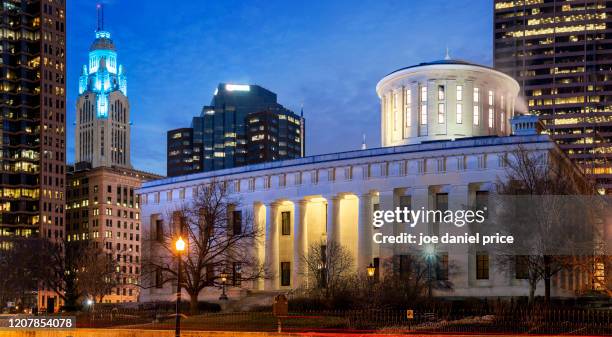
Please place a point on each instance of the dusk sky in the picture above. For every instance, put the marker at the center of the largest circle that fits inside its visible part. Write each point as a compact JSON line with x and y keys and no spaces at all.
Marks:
{"x":328,"y":55}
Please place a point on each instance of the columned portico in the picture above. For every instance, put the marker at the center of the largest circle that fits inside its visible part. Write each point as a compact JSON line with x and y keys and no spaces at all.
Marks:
{"x":272,"y":261}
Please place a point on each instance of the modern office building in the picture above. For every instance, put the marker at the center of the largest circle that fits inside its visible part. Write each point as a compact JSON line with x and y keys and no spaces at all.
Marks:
{"x":446,"y":139}
{"x":274,"y":134}
{"x":560,"y":52}
{"x":231,"y":132}
{"x":183,"y":156}
{"x":33,"y":121}
{"x":33,"y":118}
{"x":101,"y":202}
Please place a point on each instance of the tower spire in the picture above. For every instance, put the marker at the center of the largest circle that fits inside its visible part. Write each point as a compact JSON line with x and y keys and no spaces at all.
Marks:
{"x":100,"y":12}
{"x":447,"y":56}
{"x":363,"y":142}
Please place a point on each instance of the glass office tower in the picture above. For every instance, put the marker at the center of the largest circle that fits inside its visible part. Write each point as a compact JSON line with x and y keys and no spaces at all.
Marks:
{"x":560,"y":52}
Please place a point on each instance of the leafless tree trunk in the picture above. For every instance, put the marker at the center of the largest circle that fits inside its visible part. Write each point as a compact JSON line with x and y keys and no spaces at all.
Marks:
{"x":546,"y":178}
{"x":328,"y":265}
{"x":220,"y":240}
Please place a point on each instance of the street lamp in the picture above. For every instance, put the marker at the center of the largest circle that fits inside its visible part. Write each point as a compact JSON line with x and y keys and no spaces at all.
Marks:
{"x":180,"y":248}
{"x":430,"y":254}
{"x":224,"y":277}
{"x":371,"y":271}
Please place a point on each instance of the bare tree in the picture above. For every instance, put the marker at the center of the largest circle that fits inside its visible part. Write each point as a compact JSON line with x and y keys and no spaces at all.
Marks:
{"x":220,"y":239}
{"x":328,"y":266}
{"x":542,"y":179}
{"x":98,"y":274}
{"x":75,"y":270}
{"x":18,"y":269}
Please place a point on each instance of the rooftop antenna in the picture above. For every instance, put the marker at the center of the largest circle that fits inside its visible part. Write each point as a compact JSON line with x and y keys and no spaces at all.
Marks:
{"x":100,"y":12}
{"x":363,"y":143}
{"x":447,"y":57}
{"x":302,"y":109}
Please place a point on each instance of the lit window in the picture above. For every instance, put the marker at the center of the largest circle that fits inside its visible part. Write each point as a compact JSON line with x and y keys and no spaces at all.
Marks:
{"x":424,"y":105}
{"x":476,"y":106}
{"x":440,"y":92}
{"x":408,"y":106}
{"x":491,"y":109}
{"x":502,"y":123}
{"x":459,"y":93}
{"x":459,"y":113}
{"x":394,"y":104}
{"x":440,"y":113}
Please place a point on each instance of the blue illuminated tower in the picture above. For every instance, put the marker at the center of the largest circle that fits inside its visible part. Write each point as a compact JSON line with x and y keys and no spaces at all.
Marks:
{"x":103,"y":110}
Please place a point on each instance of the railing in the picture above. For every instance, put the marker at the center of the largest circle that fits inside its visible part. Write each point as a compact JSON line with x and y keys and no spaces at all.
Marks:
{"x":482,"y":321}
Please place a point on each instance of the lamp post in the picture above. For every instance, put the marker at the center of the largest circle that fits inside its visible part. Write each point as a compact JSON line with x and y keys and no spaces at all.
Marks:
{"x":180,"y":247}
{"x":371,"y":271}
{"x":430,"y":253}
{"x":224,"y":276}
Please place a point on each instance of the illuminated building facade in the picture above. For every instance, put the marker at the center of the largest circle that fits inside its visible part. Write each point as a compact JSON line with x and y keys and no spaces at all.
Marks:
{"x":445,"y":99}
{"x":33,"y":143}
{"x":33,"y":118}
{"x":183,"y":157}
{"x":244,"y":124}
{"x":102,"y":134}
{"x":560,"y":53}
{"x":332,"y":197}
{"x":101,"y":203}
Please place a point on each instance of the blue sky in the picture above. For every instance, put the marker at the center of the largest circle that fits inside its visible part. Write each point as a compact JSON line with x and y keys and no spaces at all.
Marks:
{"x":326,"y":54}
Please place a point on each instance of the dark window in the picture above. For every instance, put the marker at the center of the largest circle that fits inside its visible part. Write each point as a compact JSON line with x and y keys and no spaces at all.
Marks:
{"x":237,"y":222}
{"x":482,"y":202}
{"x":521,"y":267}
{"x":285,"y":274}
{"x":159,"y":230}
{"x":286,"y":223}
{"x":178,"y":222}
{"x":210,"y":273}
{"x":158,"y":278}
{"x":236,"y":274}
{"x":442,"y":201}
{"x":442,"y":267}
{"x":482,"y":266}
{"x":405,"y":202}
{"x":405,"y":266}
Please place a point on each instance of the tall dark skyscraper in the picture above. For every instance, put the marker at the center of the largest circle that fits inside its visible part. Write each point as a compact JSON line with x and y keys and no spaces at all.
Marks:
{"x":560,"y":52}
{"x":33,"y":118}
{"x":244,"y":124}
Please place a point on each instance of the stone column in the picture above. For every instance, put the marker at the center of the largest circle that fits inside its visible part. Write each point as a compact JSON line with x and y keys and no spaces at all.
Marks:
{"x":260,"y":248}
{"x":333,"y":218}
{"x":364,"y":232}
{"x":300,"y":241}
{"x":387,"y":251}
{"x":272,"y":261}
